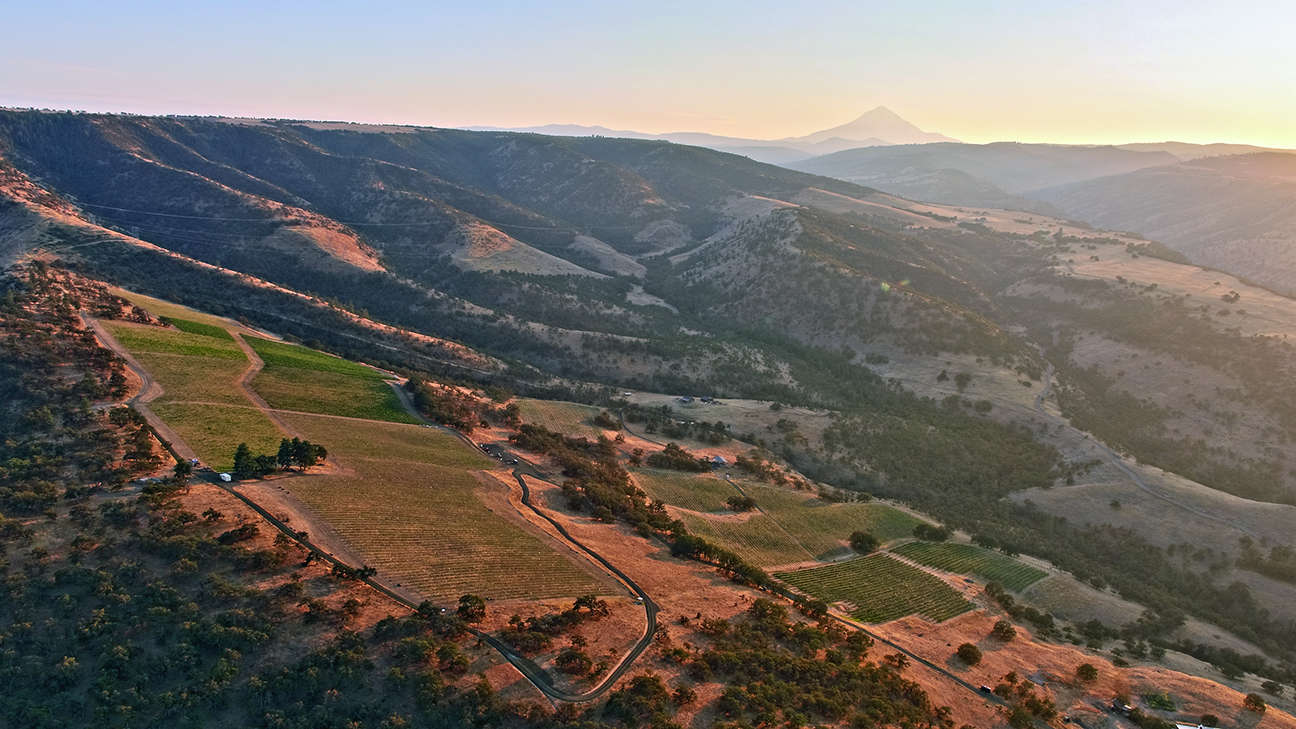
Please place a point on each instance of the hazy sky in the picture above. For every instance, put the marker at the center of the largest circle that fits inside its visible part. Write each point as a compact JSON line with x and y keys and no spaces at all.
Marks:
{"x":1037,"y":71}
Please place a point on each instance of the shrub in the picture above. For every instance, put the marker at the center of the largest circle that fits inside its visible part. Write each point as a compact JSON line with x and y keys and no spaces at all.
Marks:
{"x":1004,"y":630}
{"x":1253,"y":702}
{"x":930,"y":533}
{"x":969,"y":654}
{"x":864,"y":542}
{"x":1086,"y":672}
{"x":741,"y":503}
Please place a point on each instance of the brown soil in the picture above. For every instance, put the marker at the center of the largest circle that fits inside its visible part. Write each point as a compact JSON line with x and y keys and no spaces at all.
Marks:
{"x":1056,"y":664}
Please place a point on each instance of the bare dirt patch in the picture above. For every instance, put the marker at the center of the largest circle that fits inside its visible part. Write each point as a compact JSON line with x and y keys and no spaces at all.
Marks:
{"x":1055,"y":665}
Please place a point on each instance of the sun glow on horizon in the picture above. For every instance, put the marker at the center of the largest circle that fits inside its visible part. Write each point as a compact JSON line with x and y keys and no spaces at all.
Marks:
{"x":1104,"y":72}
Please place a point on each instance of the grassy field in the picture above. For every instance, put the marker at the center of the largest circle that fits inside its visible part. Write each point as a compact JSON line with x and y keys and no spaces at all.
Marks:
{"x":215,"y":431}
{"x":279,"y":354}
{"x":823,"y":527}
{"x":196,"y":379}
{"x":818,"y":528}
{"x":199,"y":328}
{"x":158,"y":307}
{"x":881,"y":589}
{"x":568,"y":418}
{"x":410,"y":509}
{"x":329,"y":393}
{"x":202,"y":401}
{"x":759,"y":540}
{"x":969,"y":559}
{"x":145,"y":338}
{"x":703,"y":493}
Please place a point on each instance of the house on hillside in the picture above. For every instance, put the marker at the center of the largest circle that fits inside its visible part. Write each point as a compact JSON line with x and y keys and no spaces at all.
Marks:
{"x":719,"y":462}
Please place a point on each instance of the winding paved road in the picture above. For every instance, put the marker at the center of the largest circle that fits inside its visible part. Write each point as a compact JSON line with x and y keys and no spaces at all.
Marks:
{"x":650,"y":608}
{"x":1119,"y":462}
{"x":538,"y":677}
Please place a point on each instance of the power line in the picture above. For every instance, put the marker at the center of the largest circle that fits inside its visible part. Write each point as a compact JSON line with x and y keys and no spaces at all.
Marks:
{"x":353,"y":223}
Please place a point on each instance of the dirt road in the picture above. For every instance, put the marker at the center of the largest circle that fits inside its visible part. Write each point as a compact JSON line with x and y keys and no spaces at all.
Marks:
{"x":1119,"y":462}
{"x":149,"y":391}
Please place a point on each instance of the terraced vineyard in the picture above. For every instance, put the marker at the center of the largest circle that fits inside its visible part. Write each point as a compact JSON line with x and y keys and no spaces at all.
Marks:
{"x":215,"y":431}
{"x":147,"y":338}
{"x":568,"y":418}
{"x":968,"y":559}
{"x":280,"y":354}
{"x":197,"y":379}
{"x":824,"y":528}
{"x":699,"y":492}
{"x":410,"y":508}
{"x":202,"y":401}
{"x":881,"y":588}
{"x":301,"y":379}
{"x":757,"y":539}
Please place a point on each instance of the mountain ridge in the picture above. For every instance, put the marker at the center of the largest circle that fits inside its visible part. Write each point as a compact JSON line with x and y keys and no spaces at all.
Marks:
{"x":879,"y":126}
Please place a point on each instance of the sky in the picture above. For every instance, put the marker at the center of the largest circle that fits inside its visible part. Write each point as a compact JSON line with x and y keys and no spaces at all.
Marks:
{"x":1062,"y":71}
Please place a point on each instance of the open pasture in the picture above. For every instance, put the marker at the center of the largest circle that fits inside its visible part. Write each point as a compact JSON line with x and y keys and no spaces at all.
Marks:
{"x":329,"y":393}
{"x":881,"y":589}
{"x":968,"y":559}
{"x":823,"y":527}
{"x":695,"y":492}
{"x":758,"y":539}
{"x":410,"y":507}
{"x":569,"y":418}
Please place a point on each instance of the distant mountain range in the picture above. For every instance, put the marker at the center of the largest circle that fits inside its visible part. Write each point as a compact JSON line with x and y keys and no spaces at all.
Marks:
{"x":1236,"y":212}
{"x":1229,"y":206}
{"x":879,"y":127}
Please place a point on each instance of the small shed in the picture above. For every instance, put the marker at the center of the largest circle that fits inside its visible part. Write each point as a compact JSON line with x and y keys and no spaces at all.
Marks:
{"x":719,"y":461}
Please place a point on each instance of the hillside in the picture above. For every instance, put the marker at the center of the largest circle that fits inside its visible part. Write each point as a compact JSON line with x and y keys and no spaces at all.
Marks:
{"x":992,"y":175}
{"x":880,"y":126}
{"x":1236,"y":213}
{"x":892,"y":348}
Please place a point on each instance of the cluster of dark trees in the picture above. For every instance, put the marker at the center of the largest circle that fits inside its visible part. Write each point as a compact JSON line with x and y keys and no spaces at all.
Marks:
{"x":665,"y":421}
{"x":458,"y":409}
{"x":784,"y":673}
{"x":1024,"y":705}
{"x":596,"y":481}
{"x":53,"y":441}
{"x":931,"y":532}
{"x":1280,"y":563}
{"x":756,"y":464}
{"x":537,"y":633}
{"x":677,"y":459}
{"x":599,"y":484}
{"x":298,"y":453}
{"x":1043,"y":622}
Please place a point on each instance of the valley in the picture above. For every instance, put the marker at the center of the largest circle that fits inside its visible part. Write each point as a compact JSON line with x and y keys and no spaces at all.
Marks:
{"x":1073,"y":431}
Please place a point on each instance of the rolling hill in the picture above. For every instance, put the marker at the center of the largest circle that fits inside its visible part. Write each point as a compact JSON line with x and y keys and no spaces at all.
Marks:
{"x":1236,"y":213}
